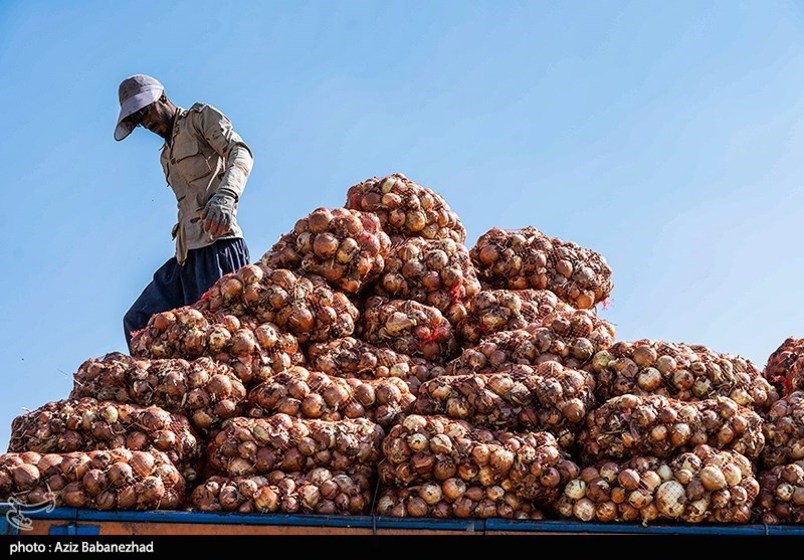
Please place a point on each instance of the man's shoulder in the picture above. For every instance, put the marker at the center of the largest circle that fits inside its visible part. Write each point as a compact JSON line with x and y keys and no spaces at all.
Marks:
{"x":200,"y":107}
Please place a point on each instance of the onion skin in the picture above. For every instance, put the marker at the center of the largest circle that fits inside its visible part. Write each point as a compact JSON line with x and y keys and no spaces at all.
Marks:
{"x":626,"y":426}
{"x":785,"y":367}
{"x":529,"y":465}
{"x":145,"y":428}
{"x":784,"y":431}
{"x":690,"y":488}
{"x":406,"y":209}
{"x":527,"y":258}
{"x":95,"y":488}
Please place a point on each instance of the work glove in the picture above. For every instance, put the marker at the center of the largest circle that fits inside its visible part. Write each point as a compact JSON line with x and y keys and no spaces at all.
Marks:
{"x":218,"y":214}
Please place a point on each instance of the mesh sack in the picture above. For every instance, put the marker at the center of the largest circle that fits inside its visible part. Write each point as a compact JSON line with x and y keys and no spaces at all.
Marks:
{"x":89,"y":425}
{"x":409,"y":327}
{"x":254,"y":350}
{"x":305,"y":394}
{"x":527,"y":258}
{"x":784,"y":431}
{"x":429,"y":448}
{"x":305,"y":306}
{"x":547,"y":397}
{"x":781,"y":495}
{"x":453,"y":498}
{"x":318,"y":492}
{"x":346,"y":247}
{"x":569,"y":340}
{"x":406,"y":209}
{"x":114,"y":479}
{"x":248,"y":446}
{"x":203,"y":390}
{"x":437,"y":273}
{"x":652,"y":425}
{"x":349,"y":357}
{"x":686,"y":373}
{"x":785,"y":367}
{"x":704,"y":485}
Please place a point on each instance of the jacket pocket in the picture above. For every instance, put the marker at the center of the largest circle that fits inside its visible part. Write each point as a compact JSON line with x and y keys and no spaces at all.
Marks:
{"x":188,"y":160}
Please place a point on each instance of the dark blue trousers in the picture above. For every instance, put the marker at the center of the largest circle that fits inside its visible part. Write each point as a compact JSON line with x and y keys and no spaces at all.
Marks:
{"x":175,"y":285}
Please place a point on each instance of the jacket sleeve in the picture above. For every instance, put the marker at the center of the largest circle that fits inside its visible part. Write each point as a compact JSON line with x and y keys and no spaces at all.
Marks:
{"x":217,"y":130}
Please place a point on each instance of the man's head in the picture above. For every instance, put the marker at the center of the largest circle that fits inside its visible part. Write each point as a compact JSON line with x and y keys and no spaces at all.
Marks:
{"x":143,"y":103}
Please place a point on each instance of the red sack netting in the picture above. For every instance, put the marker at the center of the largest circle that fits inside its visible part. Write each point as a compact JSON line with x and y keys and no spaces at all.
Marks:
{"x":305,"y":394}
{"x":114,"y":479}
{"x":652,"y":425}
{"x":248,"y":446}
{"x":203,"y":390}
{"x":346,"y":247}
{"x":785,"y":368}
{"x":686,"y":373}
{"x":454,"y":498}
{"x":527,"y":258}
{"x":704,"y":485}
{"x":547,"y":397}
{"x":320,"y":491}
{"x":781,"y":495}
{"x":437,"y":273}
{"x":570,"y":340}
{"x":349,"y":357}
{"x":305,"y":306}
{"x":254,"y":351}
{"x":784,"y":431}
{"x":409,"y":327}
{"x":434,"y":448}
{"x":89,"y":425}
{"x":406,"y":209}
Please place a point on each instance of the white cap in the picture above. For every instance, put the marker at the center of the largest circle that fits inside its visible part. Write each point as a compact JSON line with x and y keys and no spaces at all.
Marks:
{"x":135,"y":92}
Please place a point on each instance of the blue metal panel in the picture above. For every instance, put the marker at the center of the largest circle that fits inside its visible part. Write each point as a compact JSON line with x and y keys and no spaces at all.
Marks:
{"x":633,"y":528}
{"x":73,"y":529}
{"x":5,"y":527}
{"x":468,"y":525}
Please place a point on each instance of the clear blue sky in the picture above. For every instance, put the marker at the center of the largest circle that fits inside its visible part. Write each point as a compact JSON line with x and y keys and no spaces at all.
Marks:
{"x":667,"y":135}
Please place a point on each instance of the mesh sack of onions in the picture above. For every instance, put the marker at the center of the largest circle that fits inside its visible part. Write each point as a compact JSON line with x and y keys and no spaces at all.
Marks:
{"x":430,"y":448}
{"x":319,"y":491}
{"x":704,"y":485}
{"x":409,"y":327}
{"x":346,"y":247}
{"x":527,"y":258}
{"x":784,"y":431}
{"x":546,"y":397}
{"x":89,"y":425}
{"x":113,"y":479}
{"x":785,"y":367}
{"x":203,"y":390}
{"x":492,"y":311}
{"x":406,"y":209}
{"x":349,"y":357}
{"x":653,"y":425}
{"x":305,"y":394}
{"x":454,"y":498}
{"x":305,"y":306}
{"x":248,"y":446}
{"x":254,"y":351}
{"x":648,"y":367}
{"x":572,"y":340}
{"x":437,"y":273}
{"x":781,"y":495}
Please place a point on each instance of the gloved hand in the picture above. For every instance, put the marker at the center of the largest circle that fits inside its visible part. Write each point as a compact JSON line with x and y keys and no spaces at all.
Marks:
{"x":218,"y":214}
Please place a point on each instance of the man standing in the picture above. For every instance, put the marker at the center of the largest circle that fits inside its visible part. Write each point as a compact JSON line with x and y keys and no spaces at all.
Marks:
{"x":206,"y":163}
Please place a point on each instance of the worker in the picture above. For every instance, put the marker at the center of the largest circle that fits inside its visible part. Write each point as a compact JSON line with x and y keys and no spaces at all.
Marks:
{"x":206,"y":163}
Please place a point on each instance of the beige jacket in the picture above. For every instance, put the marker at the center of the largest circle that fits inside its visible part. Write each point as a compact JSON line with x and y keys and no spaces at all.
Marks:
{"x":203,"y":155}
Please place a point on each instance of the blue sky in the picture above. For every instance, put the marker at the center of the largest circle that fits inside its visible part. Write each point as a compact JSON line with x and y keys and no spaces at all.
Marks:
{"x":666,"y":135}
